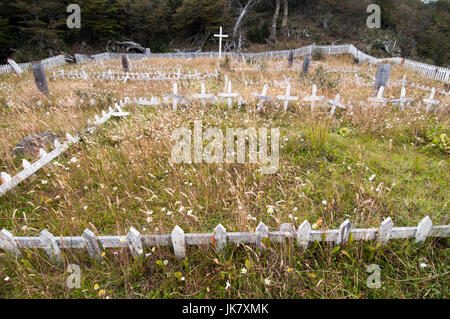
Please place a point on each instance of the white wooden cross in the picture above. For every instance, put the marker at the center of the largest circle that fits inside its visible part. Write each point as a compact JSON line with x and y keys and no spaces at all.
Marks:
{"x":430,"y":101}
{"x":220,"y":36}
{"x":262,"y":97}
{"x":379,"y":98}
{"x":313,"y":98}
{"x":335,"y":103}
{"x":403,"y":81}
{"x":175,"y":97}
{"x":229,"y":95}
{"x":402,"y":100}
{"x":203,"y":96}
{"x":286,"y":98}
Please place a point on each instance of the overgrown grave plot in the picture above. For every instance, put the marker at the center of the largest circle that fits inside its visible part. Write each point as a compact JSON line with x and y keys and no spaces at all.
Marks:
{"x":125,"y":178}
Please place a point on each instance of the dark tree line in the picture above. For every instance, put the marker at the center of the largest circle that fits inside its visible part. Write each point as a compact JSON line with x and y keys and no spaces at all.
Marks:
{"x":31,"y":29}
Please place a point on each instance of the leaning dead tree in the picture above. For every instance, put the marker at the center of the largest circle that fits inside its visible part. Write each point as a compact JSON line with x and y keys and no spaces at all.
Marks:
{"x":284,"y":22}
{"x":273,"y":31}
{"x":243,"y":13}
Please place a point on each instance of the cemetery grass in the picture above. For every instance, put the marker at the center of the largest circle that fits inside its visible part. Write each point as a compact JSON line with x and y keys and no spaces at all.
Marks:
{"x":363,"y":165}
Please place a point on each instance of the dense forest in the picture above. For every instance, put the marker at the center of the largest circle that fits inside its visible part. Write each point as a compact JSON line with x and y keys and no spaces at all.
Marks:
{"x":31,"y":29}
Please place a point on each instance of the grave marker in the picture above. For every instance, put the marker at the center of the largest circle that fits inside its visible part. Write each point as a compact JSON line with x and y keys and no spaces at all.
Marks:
{"x":39,"y":77}
{"x":220,"y":36}
{"x":229,"y":95}
{"x":125,"y":64}
{"x":286,"y":98}
{"x":203,"y":96}
{"x":382,"y":76}
{"x":335,"y":103}
{"x":261,"y":232}
{"x":175,"y":97}
{"x":430,"y":101}
{"x":290,"y":59}
{"x":313,"y":97}
{"x":306,"y":64}
{"x":262,"y":97}
{"x":402,"y":100}
{"x":379,"y":98}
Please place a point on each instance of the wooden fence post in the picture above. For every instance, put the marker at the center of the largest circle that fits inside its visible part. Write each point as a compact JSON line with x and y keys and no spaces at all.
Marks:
{"x":51,"y":247}
{"x":178,"y":242}
{"x":92,"y":245}
{"x":303,"y":234}
{"x":134,"y":242}
{"x":9,"y":243}
{"x":261,"y":232}
{"x":220,"y":235}
{"x":385,"y":231}
{"x":344,"y":232}
{"x":423,"y":229}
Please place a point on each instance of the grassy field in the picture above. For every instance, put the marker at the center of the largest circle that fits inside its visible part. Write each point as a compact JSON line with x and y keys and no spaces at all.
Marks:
{"x":364,"y":165}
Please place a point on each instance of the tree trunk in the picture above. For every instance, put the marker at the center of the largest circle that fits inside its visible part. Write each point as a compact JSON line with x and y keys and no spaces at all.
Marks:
{"x":242,"y":15}
{"x":284,"y":22}
{"x":274,"y":22}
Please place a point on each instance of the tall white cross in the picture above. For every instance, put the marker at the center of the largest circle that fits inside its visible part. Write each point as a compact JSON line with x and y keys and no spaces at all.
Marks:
{"x":220,"y":36}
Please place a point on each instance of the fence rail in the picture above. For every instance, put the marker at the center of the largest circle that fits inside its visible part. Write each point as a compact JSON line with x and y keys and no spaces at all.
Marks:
{"x":48,"y":63}
{"x":30,"y":169}
{"x":219,"y":238}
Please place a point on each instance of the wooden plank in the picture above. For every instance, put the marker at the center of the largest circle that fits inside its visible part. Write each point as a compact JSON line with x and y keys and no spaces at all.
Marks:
{"x":423,"y":229}
{"x":261,"y":232}
{"x":178,"y":242}
{"x":220,"y":236}
{"x":92,"y":245}
{"x":344,"y":232}
{"x":382,"y":76}
{"x":304,"y":234}
{"x":9,"y":244}
{"x":385,"y":231}
{"x":306,"y":64}
{"x":51,"y":247}
{"x":134,"y":242}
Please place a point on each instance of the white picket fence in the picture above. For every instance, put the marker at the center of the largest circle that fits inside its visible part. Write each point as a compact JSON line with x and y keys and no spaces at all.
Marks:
{"x":29,"y":169}
{"x":427,"y":70}
{"x":219,"y":238}
{"x":48,"y":63}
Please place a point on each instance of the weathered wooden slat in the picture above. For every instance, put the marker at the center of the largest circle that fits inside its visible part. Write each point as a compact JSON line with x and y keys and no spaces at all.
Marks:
{"x":92,"y":244}
{"x":423,"y":229}
{"x":134,"y":242}
{"x":344,"y":233}
{"x":385,"y":231}
{"x":261,"y":232}
{"x":178,"y":242}
{"x":51,"y":247}
{"x":220,"y":236}
{"x":304,"y":234}
{"x":9,"y":244}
